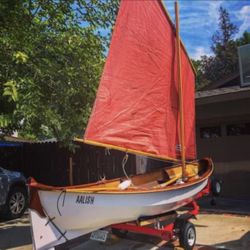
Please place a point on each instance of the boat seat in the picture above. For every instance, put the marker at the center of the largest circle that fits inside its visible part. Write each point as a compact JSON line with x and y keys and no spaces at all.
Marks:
{"x":167,"y":183}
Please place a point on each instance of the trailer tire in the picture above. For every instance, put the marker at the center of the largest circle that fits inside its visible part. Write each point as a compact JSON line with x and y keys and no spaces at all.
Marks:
{"x":216,"y":187}
{"x":187,"y":236}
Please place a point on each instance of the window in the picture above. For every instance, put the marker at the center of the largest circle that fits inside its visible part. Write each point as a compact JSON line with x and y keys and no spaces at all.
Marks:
{"x":238,"y":129}
{"x":210,"y":132}
{"x":244,"y":63}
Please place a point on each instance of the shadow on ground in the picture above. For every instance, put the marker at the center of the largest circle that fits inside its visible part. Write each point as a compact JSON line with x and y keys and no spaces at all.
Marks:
{"x":15,"y":233}
{"x":242,"y":243}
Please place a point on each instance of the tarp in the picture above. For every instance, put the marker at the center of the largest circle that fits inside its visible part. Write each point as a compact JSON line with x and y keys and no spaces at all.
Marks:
{"x":4,"y":144}
{"x":136,"y":107}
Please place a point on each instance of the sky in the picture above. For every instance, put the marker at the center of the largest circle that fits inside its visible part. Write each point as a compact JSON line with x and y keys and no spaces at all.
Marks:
{"x":199,"y":21}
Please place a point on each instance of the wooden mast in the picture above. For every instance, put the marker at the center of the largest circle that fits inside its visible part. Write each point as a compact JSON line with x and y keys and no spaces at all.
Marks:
{"x":179,"y":77}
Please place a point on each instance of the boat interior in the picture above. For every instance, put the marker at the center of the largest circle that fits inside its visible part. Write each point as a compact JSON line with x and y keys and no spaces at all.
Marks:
{"x":161,"y":179}
{"x":158,"y":179}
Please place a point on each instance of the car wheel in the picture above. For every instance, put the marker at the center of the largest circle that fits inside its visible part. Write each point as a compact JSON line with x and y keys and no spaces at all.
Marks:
{"x":16,"y":203}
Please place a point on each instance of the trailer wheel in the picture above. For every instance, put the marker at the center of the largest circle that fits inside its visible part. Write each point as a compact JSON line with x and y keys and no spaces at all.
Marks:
{"x":187,"y":236}
{"x":216,"y":187}
{"x":119,"y":232}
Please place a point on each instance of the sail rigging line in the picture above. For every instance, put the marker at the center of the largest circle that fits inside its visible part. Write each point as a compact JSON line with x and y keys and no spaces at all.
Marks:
{"x":179,"y":77}
{"x":124,"y":161}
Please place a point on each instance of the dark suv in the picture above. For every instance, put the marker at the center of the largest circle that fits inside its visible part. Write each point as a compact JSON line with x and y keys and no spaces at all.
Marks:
{"x":13,"y":194}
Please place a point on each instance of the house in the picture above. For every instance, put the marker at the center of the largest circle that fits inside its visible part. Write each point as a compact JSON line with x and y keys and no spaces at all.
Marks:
{"x":223,"y":133}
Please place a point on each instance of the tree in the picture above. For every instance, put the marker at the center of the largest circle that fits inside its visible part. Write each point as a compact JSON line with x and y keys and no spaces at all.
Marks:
{"x":245,"y":39}
{"x":225,"y":59}
{"x":51,"y":58}
{"x":223,"y":37}
{"x":199,"y":67}
{"x":224,"y":48}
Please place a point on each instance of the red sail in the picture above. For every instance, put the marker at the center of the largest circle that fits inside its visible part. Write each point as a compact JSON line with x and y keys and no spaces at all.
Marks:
{"x":136,"y":107}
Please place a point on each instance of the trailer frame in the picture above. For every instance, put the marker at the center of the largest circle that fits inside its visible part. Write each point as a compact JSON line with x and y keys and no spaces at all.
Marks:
{"x":172,"y":230}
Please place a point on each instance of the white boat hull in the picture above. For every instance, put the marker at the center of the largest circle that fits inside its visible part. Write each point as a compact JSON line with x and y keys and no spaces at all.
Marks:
{"x":76,"y":214}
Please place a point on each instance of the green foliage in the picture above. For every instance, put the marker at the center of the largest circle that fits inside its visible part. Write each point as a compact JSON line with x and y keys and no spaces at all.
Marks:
{"x":20,"y":57}
{"x":51,"y":59}
{"x":224,"y":48}
{"x":200,"y":81}
{"x":245,"y":39}
{"x":10,"y":90}
{"x":225,"y":59}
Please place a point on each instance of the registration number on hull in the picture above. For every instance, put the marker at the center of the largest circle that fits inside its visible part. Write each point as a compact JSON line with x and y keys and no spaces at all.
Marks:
{"x":99,"y":235}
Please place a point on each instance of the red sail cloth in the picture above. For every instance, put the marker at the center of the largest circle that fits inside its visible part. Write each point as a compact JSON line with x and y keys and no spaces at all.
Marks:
{"x":136,"y":107}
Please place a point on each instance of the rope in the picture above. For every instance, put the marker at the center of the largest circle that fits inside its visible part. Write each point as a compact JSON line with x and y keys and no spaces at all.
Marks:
{"x":57,"y":203}
{"x":107,"y":151}
{"x":124,"y":161}
{"x":102,"y":178}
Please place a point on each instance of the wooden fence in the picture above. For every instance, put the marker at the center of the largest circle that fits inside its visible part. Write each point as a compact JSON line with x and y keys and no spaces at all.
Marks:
{"x":50,"y":164}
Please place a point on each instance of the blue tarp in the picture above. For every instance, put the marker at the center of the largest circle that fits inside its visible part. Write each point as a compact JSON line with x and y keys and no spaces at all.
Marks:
{"x":10,"y":144}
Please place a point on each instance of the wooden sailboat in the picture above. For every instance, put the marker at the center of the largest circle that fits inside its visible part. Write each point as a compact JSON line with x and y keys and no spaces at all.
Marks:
{"x":144,"y":105}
